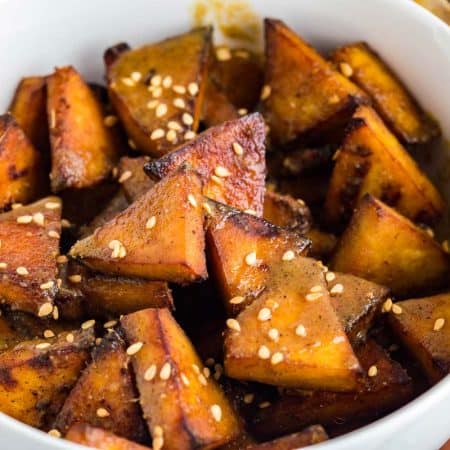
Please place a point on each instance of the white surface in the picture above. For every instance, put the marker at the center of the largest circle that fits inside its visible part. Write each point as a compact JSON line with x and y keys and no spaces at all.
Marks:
{"x":36,"y":35}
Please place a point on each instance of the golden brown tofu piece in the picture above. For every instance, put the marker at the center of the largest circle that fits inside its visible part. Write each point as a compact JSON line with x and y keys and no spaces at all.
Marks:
{"x":285,"y":211}
{"x":29,"y":238}
{"x":423,"y":325}
{"x":37,"y":375}
{"x":372,"y":161}
{"x":241,"y":271}
{"x":104,"y":395}
{"x":230,"y":159}
{"x":29,"y":108}
{"x":290,"y":335}
{"x":83,"y":148}
{"x":132,"y":177}
{"x":385,"y":391}
{"x":356,"y":301}
{"x":303,"y":94}
{"x":217,"y":108}
{"x":401,"y":112}
{"x":322,"y":243}
{"x":239,"y":75}
{"x":159,"y":237}
{"x":158,"y":89}
{"x":309,"y":436}
{"x":382,"y":246}
{"x":183,"y":408}
{"x":21,"y":172}
{"x":84,"y":434}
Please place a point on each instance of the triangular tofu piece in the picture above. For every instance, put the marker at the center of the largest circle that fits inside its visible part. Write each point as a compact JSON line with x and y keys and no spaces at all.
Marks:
{"x":160,"y":236}
{"x":83,"y":148}
{"x":184,"y":408}
{"x":108,"y":405}
{"x":29,"y":237}
{"x":230,"y":159}
{"x":303,"y":94}
{"x":241,"y":249}
{"x":22,"y":177}
{"x":372,"y":161}
{"x":290,"y":335}
{"x":423,"y":325}
{"x":84,"y":434}
{"x":382,"y":246}
{"x":132,"y":177}
{"x":42,"y":372}
{"x":158,"y":89}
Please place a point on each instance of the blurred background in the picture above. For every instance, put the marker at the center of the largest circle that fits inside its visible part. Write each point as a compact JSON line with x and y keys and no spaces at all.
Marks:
{"x":439,"y":7}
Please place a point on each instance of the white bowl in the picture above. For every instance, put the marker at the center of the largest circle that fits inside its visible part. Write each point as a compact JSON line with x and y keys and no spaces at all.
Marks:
{"x":36,"y":35}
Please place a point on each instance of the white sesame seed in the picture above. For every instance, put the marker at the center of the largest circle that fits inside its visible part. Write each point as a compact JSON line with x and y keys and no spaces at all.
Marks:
{"x":216,"y":180}
{"x":52,"y":119}
{"x":70,"y":338}
{"x":195,"y":368}
{"x":52,"y":205}
{"x":222,"y":172}
{"x":242,"y":111}
{"x":333,"y":99}
{"x":233,"y":324}
{"x":128,"y":82}
{"x":54,"y":433}
{"x":134,"y":348}
{"x":346,"y":69}
{"x":179,"y":103}
{"x":132,"y":144}
{"x":171,"y":136}
{"x":185,"y":379}
{"x":330,"y":276}
{"x":263,"y":352}
{"x":372,"y":372}
{"x":223,"y":54}
{"x":88,"y":324}
{"x":265,"y":92}
{"x":158,"y":133}
{"x":439,"y":324}
{"x":288,"y":255}
{"x":151,"y":222}
{"x":110,"y":121}
{"x":206,"y":372}
{"x":193,"y":89}
{"x":316,"y":288}
{"x":53,"y":234}
{"x":75,"y":278}
{"x":49,"y":334}
{"x":126,"y":175}
{"x":338,"y":288}
{"x":274,"y":334}
{"x":397,"y":309}
{"x":264,"y":405}
{"x":252,"y":212}
{"x":189,"y":135}
{"x":136,"y":76}
{"x":102,"y":412}
{"x":47,"y":285}
{"x":237,"y":148}
{"x":157,"y":443}
{"x":264,"y":314}
{"x":387,"y":305}
{"x":55,"y":313}
{"x":43,"y":345}
{"x":313,"y":296}
{"x":22,"y":271}
{"x":150,"y":373}
{"x":250,"y":259}
{"x":446,"y":246}
{"x":16,"y":205}
{"x":167,"y":81}
{"x":300,"y":330}
{"x":24,"y":219}
{"x":338,"y":339}
{"x":187,"y":119}
{"x":165,"y":371}
{"x":65,"y":223}
{"x":237,"y":300}
{"x":161,"y":110}
{"x":118,"y":249}
{"x":277,"y":357}
{"x":174,"y":125}
{"x":207,"y":208}
{"x":248,"y":398}
{"x":192,"y":200}
{"x":45,"y":309}
{"x":39,"y":219}
{"x":3,"y":265}
{"x":202,"y":380}
{"x":177,"y":88}
{"x":216,"y":412}
{"x":157,"y":431}
{"x":157,"y":92}
{"x":152,"y":104}
{"x":61,"y":259}
{"x":110,"y":324}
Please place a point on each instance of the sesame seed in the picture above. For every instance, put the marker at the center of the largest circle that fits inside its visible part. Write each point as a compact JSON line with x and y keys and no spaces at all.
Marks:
{"x":202,"y":380}
{"x":264,"y":314}
{"x":49,"y":334}
{"x":52,"y":205}
{"x":110,"y":121}
{"x":222,"y":172}
{"x":330,"y":276}
{"x":158,"y":133}
{"x":39,"y":219}
{"x":316,"y":288}
{"x":193,"y":89}
{"x":157,"y":92}
{"x":132,"y":144}
{"x":346,"y":69}
{"x":75,"y":278}
{"x":125,"y":176}
{"x":110,"y":324}
{"x":233,"y":324}
{"x":171,"y":136}
{"x":61,"y":259}
{"x":216,"y":180}
{"x":445,"y":246}
{"x":189,"y":135}
{"x":333,"y":99}
{"x":300,"y":330}
{"x":439,"y":324}
{"x":387,"y":305}
{"x":16,"y":205}
{"x":150,"y":223}
{"x":187,"y":119}
{"x":185,"y":379}
{"x":252,"y":212}
{"x":338,"y":339}
{"x":195,"y":368}
{"x":54,"y":433}
{"x":88,"y":324}
{"x":179,"y":103}
{"x":24,"y":219}
{"x":276,"y":358}
{"x":102,"y":412}
{"x":177,"y":88}
{"x":47,"y":285}
{"x":152,"y":104}
{"x":207,"y":208}
{"x":134,"y":348}
{"x":206,"y":372}
{"x":337,"y":289}
{"x":165,"y":371}
{"x":242,"y":111}
{"x":157,"y":431}
{"x":156,"y":80}
{"x":161,"y":110}
{"x":313,"y":296}
{"x":248,"y":398}
{"x":223,"y":54}
{"x":192,"y":200}
{"x":397,"y":309}
{"x":128,"y":81}
{"x":237,"y":148}
{"x":65,"y":223}
{"x":167,"y":81}
{"x":52,"y":119}
{"x":43,"y":345}
{"x":70,"y":338}
{"x":274,"y":334}
{"x":372,"y":372}
{"x":263,"y":352}
{"x":55,"y":313}
{"x":3,"y":265}
{"x":150,"y":373}
{"x":250,"y":259}
{"x":118,"y":249}
{"x":45,"y":309}
{"x":430,"y":232}
{"x":237,"y":300}
{"x":53,"y":234}
{"x":216,"y":412}
{"x":22,"y":271}
{"x":265,"y":92}
{"x":288,"y":255}
{"x":157,"y":443}
{"x":174,"y":125}
{"x":264,"y":405}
